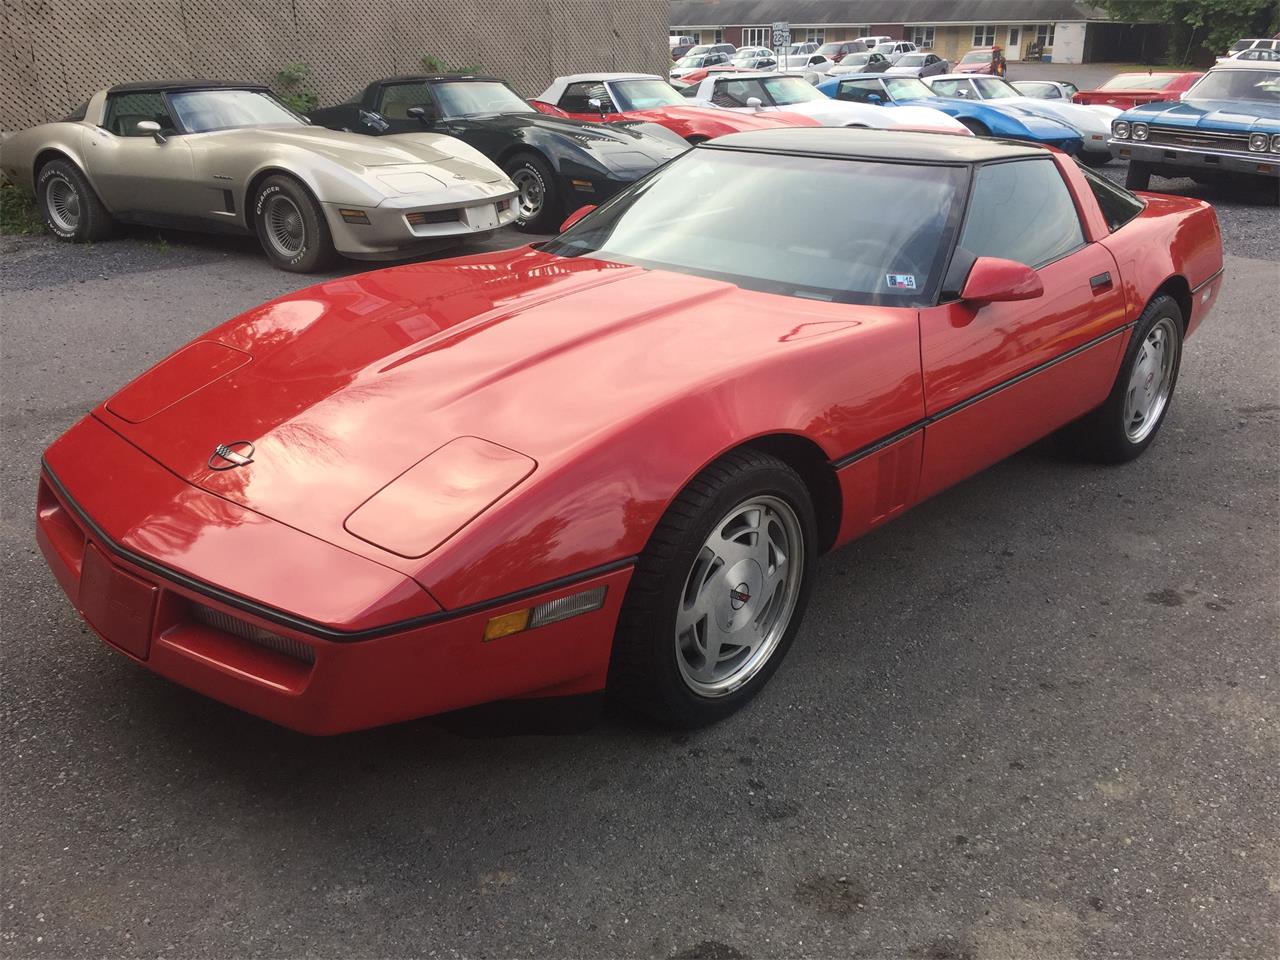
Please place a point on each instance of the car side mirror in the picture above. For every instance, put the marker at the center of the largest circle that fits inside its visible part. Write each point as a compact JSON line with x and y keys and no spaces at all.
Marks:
{"x":596,"y":104}
{"x":875,"y":98}
{"x":423,"y":114}
{"x":755,"y":103}
{"x":576,"y":216}
{"x":151,"y":127}
{"x":374,"y":121}
{"x":995,"y":280}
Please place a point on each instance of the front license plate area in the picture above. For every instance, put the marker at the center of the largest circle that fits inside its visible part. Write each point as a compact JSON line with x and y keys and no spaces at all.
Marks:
{"x":484,"y":218}
{"x":117,"y":604}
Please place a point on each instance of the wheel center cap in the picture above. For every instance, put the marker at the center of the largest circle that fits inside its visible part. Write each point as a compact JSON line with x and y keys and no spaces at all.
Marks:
{"x":739,"y":599}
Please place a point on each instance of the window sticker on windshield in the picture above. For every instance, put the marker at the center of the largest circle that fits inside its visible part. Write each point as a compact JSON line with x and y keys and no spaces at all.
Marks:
{"x":901,"y":281}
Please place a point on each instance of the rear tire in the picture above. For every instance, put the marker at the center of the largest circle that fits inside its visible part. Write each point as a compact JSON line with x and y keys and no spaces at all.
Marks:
{"x":718,"y":594}
{"x":291,"y":226}
{"x":1128,"y":420}
{"x":71,"y":208}
{"x":1138,"y":176}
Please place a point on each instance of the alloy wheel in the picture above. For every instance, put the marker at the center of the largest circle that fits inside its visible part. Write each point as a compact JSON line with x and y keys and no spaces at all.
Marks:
{"x":62,"y":202}
{"x":286,"y":230}
{"x":739,"y":596}
{"x":1151,"y":381}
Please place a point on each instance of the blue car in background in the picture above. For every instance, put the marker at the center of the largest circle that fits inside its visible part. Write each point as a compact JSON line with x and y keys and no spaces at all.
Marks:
{"x":1009,"y":122}
{"x":1226,"y":125}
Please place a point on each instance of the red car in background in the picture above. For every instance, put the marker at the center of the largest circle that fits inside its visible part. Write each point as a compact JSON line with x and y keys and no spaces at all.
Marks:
{"x":611,"y":460}
{"x":981,"y":60}
{"x":1125,"y":91}
{"x":642,"y":97}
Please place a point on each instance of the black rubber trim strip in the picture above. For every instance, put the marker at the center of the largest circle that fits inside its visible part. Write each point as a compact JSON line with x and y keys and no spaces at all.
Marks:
{"x":861,"y":452}
{"x":1204,"y":283}
{"x":301,"y":624}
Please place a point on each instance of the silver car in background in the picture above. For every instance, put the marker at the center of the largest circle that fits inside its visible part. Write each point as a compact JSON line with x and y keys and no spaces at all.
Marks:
{"x":231,"y":158}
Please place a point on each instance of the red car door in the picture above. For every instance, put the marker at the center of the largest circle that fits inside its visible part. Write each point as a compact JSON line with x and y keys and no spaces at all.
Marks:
{"x":999,"y":376}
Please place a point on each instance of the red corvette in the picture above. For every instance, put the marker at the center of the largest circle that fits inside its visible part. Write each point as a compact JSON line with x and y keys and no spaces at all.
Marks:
{"x":1125,"y":91}
{"x":612,"y":460}
{"x":615,"y":97}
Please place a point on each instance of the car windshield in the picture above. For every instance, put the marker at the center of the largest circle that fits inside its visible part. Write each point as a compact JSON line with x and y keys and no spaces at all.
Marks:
{"x":907,"y":88}
{"x":856,"y":59}
{"x":1139,"y":81}
{"x":700,"y":49}
{"x":977,"y":56}
{"x":882,"y":48}
{"x":1240,"y":45}
{"x":643,"y":94}
{"x":763,"y":222}
{"x":910,"y":60}
{"x":1258,"y":86}
{"x":829,"y":49}
{"x":993,"y":88}
{"x":477,"y":98}
{"x":799,"y":48}
{"x":691,"y":61}
{"x":788,"y":90}
{"x":202,"y":110}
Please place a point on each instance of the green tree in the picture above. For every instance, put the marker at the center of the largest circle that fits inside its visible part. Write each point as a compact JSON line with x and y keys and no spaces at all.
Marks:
{"x":1214,"y":24}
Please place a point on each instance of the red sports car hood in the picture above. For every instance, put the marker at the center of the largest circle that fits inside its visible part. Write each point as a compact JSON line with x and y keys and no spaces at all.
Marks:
{"x":344,"y":386}
{"x":699,"y":117}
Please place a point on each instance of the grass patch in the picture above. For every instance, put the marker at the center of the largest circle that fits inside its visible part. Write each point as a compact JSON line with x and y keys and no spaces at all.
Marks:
{"x":18,"y":211}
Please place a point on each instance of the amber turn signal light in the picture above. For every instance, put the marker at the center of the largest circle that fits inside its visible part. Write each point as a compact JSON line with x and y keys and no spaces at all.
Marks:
{"x":553,"y":611}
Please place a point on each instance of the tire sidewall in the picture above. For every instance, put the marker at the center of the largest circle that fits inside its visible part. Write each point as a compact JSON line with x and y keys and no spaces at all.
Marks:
{"x":59,"y":170}
{"x":312,"y":254}
{"x":543,"y":222}
{"x":686,"y":705}
{"x":1117,"y":439}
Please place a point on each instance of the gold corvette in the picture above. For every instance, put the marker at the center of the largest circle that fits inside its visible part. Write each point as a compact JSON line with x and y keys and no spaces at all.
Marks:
{"x":206,"y":155}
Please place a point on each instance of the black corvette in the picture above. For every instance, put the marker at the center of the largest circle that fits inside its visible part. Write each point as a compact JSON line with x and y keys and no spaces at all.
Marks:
{"x":557,"y":164}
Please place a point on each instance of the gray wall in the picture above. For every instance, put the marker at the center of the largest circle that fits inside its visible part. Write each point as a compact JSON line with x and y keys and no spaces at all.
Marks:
{"x":54,"y":53}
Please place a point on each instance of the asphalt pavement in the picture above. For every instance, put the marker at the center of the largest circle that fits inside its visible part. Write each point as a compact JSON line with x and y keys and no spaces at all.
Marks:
{"x":1034,"y":718}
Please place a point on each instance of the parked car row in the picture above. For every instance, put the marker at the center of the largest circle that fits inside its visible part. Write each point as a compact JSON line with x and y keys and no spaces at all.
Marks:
{"x":458,"y":157}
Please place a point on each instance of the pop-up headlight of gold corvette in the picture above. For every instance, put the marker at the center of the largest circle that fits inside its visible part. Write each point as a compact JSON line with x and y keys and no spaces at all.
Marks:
{"x":438,"y":496}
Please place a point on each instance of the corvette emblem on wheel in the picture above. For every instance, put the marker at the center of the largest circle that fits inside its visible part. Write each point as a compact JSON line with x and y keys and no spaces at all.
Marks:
{"x":739,"y":596}
{"x":225,"y":456}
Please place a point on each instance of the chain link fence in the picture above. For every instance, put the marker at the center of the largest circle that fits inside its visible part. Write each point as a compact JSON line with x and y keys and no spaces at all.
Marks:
{"x":54,"y":53}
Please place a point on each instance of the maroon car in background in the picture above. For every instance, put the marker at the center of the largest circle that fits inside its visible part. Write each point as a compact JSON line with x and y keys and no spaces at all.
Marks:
{"x":1125,"y":91}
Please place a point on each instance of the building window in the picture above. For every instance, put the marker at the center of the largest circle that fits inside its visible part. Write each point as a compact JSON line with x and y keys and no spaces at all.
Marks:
{"x":922,"y":37}
{"x":810,"y":35}
{"x":718,"y":37}
{"x":756,"y":36}
{"x":1044,"y":34}
{"x":984,"y":35}
{"x":862,"y":32}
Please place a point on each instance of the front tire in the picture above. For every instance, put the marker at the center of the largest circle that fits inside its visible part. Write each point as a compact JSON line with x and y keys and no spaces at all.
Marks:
{"x":1093,"y":159}
{"x":718,"y":594}
{"x":71,"y":208}
{"x":539,"y":203}
{"x":291,"y":226}
{"x":1129,"y":419}
{"x":1138,"y":176}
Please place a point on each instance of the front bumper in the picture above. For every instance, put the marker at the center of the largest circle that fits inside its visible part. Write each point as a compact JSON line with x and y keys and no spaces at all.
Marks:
{"x":468,"y":210}
{"x":1182,"y":160}
{"x":130,"y":572}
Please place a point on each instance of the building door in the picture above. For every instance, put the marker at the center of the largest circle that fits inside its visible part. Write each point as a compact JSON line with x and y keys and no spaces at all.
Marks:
{"x":1013,"y":50}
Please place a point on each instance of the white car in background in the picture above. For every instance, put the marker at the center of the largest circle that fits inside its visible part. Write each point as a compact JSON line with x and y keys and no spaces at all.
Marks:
{"x":1059,"y":90}
{"x":1092,"y":122}
{"x":755,"y":92}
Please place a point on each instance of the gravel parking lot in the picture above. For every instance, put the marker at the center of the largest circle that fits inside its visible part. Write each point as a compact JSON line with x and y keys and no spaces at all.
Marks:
{"x":1035,"y":718}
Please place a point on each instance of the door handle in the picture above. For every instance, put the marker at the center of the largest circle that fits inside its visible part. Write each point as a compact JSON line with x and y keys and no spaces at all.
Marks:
{"x":1100,"y":283}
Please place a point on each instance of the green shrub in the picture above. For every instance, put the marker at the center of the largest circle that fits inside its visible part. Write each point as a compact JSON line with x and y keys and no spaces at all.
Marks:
{"x":18,"y":211}
{"x":433,"y":64}
{"x":294,"y":81}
